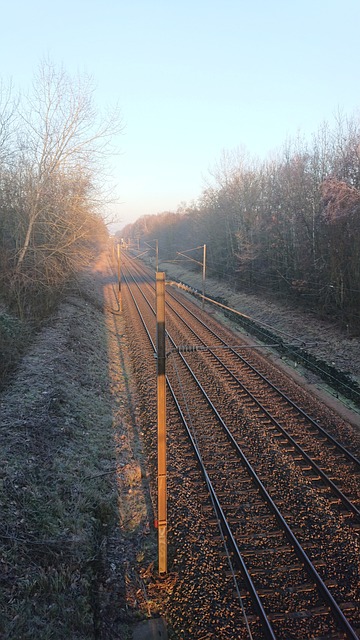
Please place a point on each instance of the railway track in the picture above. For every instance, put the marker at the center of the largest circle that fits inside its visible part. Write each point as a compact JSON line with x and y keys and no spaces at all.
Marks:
{"x":276,"y":494}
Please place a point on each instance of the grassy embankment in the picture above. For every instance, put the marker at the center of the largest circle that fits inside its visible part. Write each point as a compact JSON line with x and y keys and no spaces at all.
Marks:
{"x":58,"y":486}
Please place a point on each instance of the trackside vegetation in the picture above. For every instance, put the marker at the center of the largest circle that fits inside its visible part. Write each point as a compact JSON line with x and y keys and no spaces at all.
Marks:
{"x":57,"y":486}
{"x":288,"y":226}
{"x":54,"y":147}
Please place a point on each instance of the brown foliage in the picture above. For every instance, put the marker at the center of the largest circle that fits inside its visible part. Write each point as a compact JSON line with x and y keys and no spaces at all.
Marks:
{"x":340,"y":200}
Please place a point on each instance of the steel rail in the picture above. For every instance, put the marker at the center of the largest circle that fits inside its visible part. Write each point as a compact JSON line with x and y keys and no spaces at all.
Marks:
{"x":334,"y":488}
{"x":303,"y":413}
{"x":265,"y":623}
{"x":301,"y":554}
{"x":267,"y":628}
{"x":327,"y":596}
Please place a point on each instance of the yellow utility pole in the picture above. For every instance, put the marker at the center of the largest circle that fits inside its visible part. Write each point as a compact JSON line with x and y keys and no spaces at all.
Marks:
{"x":161,"y":412}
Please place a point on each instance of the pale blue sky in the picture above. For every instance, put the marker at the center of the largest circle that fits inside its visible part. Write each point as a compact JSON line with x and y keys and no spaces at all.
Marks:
{"x":193,"y":78}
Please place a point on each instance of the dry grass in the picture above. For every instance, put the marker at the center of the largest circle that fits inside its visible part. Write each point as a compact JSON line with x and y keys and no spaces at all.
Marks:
{"x":56,"y":434}
{"x":14,"y":336}
{"x":68,"y":458}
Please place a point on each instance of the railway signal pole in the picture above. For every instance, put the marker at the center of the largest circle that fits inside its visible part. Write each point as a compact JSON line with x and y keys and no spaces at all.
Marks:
{"x":203,"y":276}
{"x":202,"y":264}
{"x":156,"y":249}
{"x":161,"y":424}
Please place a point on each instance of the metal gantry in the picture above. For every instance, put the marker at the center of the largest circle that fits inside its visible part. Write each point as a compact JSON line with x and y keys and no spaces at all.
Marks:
{"x":202,"y":264}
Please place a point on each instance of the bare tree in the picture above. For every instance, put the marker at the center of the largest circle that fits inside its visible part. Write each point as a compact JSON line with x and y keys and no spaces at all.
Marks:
{"x":61,"y":139}
{"x":52,"y":171}
{"x":8,"y":115}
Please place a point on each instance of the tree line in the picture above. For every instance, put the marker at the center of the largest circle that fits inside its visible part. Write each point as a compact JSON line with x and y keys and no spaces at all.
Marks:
{"x":288,"y":226}
{"x":53,"y":147}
